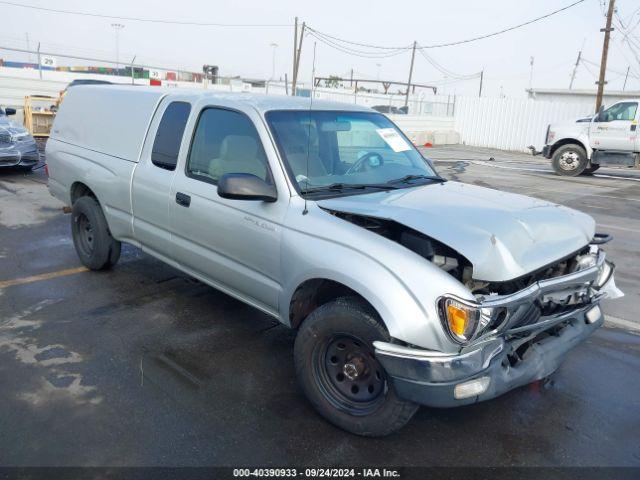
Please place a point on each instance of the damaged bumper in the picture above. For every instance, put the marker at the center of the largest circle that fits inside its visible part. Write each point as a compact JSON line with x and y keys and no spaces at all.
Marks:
{"x":22,"y":154}
{"x":529,"y":344}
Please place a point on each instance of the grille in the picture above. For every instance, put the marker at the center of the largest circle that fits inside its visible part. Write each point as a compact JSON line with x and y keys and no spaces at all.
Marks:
{"x":525,"y":315}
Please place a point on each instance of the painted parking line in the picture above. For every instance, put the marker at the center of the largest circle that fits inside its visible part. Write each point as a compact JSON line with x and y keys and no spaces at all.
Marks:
{"x":41,"y":277}
{"x":621,"y":323}
{"x":540,"y":170}
{"x":616,"y":227}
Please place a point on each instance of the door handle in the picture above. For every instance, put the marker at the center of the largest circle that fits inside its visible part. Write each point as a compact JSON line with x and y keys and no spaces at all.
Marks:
{"x":183,"y":199}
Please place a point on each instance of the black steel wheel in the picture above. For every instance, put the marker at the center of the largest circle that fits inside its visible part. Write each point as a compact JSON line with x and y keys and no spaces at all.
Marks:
{"x":349,"y":375}
{"x":85,"y":235}
{"x":95,"y":246}
{"x":339,"y":373}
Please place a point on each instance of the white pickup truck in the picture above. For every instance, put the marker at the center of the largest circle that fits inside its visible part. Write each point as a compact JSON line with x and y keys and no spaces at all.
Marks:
{"x":608,"y":138}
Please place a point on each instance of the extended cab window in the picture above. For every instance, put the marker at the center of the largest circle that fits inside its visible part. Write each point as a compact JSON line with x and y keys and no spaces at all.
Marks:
{"x":226,"y":141}
{"x":166,"y":145}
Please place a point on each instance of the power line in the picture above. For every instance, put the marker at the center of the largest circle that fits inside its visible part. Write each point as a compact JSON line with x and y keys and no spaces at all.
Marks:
{"x":500,"y":32}
{"x":353,"y":51}
{"x":146,"y":20}
{"x":449,"y":44}
{"x":447,"y":72}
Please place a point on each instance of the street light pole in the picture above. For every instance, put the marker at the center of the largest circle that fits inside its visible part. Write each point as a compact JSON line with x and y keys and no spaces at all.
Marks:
{"x":117,"y":27}
{"x":273,"y":61}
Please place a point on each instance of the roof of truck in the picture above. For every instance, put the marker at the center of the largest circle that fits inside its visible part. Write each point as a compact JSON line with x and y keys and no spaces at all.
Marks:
{"x":262,"y":103}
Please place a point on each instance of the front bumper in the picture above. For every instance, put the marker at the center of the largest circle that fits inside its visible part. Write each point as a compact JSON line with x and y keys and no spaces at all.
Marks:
{"x":516,"y":353}
{"x":22,"y":154}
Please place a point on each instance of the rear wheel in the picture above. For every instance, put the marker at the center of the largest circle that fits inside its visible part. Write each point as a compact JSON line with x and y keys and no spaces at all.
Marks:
{"x":338,"y":371}
{"x":95,"y":246}
{"x":569,"y":160}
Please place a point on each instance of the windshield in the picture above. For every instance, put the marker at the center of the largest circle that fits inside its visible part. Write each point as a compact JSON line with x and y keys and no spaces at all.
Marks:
{"x":345,"y":150}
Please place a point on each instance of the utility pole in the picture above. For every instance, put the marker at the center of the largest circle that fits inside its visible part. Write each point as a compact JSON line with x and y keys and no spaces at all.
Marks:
{"x":531,"y":61}
{"x":413,"y":56}
{"x":575,"y":68}
{"x":351,"y":79}
{"x":605,"y":51}
{"x":625,"y":78}
{"x":296,"y":65}
{"x":481,"y":78}
{"x":295,"y":51}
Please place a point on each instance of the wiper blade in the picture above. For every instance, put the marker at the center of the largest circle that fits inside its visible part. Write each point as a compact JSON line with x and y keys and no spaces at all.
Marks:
{"x":409,"y":178}
{"x":338,"y":187}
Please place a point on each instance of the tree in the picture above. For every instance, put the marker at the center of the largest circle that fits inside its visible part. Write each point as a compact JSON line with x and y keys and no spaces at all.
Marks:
{"x":333,"y":82}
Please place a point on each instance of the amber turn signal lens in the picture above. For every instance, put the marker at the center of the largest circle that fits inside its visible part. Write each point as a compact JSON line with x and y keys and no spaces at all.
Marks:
{"x":461,"y":320}
{"x":458,"y":319}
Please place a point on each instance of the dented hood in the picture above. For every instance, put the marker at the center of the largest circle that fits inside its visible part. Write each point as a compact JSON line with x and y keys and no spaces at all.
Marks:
{"x":503,"y":235}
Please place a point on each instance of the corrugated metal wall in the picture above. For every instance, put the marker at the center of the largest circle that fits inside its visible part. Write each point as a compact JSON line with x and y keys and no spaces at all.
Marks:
{"x":511,"y":124}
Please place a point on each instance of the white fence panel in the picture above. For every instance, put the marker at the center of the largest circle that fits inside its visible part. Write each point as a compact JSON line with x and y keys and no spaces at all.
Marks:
{"x":511,"y":124}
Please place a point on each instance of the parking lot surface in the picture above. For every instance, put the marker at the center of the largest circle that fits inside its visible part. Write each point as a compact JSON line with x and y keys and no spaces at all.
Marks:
{"x":143,"y":366}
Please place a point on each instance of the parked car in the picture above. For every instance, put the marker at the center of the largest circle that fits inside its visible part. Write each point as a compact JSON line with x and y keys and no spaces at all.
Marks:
{"x":608,"y":138}
{"x":405,"y":289}
{"x":391,"y":109}
{"x":17,"y":147}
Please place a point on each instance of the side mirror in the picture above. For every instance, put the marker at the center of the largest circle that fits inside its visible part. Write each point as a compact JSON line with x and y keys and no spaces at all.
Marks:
{"x":599,"y":116}
{"x":244,"y":186}
{"x":9,"y":111}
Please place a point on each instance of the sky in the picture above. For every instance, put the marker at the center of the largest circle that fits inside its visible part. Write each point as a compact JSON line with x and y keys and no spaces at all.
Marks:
{"x":246,"y":51}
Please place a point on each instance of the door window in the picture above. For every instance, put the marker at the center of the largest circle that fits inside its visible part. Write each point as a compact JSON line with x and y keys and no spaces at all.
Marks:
{"x":625,"y":111}
{"x":166,"y":145}
{"x":226,"y":141}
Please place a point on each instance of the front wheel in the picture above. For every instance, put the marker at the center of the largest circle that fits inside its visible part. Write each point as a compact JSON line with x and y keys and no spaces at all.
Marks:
{"x":569,"y":160}
{"x":339,"y":373}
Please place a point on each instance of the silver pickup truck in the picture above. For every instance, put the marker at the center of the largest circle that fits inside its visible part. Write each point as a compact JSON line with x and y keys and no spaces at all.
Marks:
{"x":405,"y":289}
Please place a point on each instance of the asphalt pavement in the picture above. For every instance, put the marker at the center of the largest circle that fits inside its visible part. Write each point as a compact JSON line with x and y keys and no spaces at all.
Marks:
{"x":143,"y":366}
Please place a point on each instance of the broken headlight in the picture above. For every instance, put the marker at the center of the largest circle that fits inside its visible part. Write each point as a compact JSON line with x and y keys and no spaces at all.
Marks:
{"x":606,"y":270}
{"x":463,"y":321}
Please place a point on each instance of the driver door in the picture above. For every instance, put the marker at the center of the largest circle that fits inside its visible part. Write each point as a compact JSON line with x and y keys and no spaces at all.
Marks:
{"x":614,"y":128}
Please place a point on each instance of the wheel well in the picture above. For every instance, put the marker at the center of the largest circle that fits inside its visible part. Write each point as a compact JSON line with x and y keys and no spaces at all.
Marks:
{"x":563,"y":142}
{"x":316,"y":292}
{"x":79,"y":189}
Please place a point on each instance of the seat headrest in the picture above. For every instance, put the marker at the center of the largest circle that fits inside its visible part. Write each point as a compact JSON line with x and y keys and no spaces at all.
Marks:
{"x":238,"y":147}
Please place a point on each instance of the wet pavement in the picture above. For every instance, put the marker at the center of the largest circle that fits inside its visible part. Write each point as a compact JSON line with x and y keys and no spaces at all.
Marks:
{"x":143,"y":366}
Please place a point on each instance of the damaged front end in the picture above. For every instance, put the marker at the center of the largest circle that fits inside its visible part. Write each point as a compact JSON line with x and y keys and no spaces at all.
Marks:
{"x":513,"y":333}
{"x":506,"y":339}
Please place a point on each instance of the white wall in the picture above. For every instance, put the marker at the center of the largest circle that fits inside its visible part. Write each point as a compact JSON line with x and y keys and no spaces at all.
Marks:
{"x":511,"y":124}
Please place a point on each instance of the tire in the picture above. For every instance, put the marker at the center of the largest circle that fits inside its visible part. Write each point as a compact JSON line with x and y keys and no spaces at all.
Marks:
{"x":569,"y":160}
{"x":591,"y":169}
{"x":337,"y":370}
{"x":95,"y":246}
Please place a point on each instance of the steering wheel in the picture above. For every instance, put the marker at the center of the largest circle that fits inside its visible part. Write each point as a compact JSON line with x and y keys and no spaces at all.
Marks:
{"x":360,"y":163}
